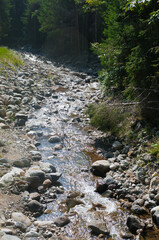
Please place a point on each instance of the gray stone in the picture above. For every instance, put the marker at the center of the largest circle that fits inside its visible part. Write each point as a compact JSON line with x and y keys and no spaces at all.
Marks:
{"x":32,"y":234}
{"x":34,"y":206}
{"x":54,"y":139}
{"x":8,"y":178}
{"x":53,"y":177}
{"x":62,"y":221}
{"x":98,"y":228}
{"x":36,"y":156}
{"x":34,"y":177}
{"x":136,"y":209}
{"x":8,"y":237}
{"x":20,"y":217}
{"x":47,"y":167}
{"x":117,"y":145}
{"x":21,"y":163}
{"x":155,"y":215}
{"x":100,"y":167}
{"x":3,"y":160}
{"x":134,"y":224}
{"x":34,"y":196}
{"x":20,"y":119}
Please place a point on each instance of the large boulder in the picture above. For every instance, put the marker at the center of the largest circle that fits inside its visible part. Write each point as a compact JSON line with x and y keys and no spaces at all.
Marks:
{"x":100,"y":168}
{"x":35,"y":207}
{"x":134,"y":224}
{"x":8,"y":178}
{"x":155,"y":215}
{"x":47,"y":167}
{"x":4,"y":236}
{"x":20,"y":217}
{"x":21,"y":163}
{"x":34,"y":177}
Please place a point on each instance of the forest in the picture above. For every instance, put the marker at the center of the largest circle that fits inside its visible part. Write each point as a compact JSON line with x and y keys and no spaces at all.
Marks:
{"x":124,"y":34}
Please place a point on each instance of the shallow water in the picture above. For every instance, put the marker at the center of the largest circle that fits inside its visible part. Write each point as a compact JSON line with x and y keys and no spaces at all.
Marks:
{"x":74,"y":156}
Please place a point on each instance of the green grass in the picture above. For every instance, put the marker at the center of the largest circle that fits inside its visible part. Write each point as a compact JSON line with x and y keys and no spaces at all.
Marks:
{"x":108,"y":119}
{"x":154,"y":149}
{"x":9,"y":58}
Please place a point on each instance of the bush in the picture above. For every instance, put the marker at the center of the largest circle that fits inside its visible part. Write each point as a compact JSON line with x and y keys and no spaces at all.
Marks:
{"x":108,"y":118}
{"x":9,"y":57}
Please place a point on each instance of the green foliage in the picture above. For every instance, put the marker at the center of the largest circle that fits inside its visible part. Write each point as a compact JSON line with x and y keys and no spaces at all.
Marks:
{"x":129,"y":51}
{"x":9,"y":58}
{"x":154,"y":149}
{"x":108,"y":118}
{"x":5,"y":6}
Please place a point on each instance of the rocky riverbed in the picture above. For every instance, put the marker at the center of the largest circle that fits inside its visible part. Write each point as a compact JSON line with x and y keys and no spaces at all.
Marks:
{"x":59,"y":178}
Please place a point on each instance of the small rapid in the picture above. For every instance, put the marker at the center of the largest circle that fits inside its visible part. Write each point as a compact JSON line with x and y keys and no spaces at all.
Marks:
{"x":63,"y":114}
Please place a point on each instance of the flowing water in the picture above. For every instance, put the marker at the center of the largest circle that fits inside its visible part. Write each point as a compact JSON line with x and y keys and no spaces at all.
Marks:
{"x":63,"y":114}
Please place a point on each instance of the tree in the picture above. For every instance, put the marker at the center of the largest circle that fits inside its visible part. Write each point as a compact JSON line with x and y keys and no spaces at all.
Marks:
{"x":4,"y":19}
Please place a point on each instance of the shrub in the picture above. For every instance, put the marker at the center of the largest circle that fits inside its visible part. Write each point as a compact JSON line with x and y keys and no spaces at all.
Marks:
{"x":108,"y":118}
{"x":9,"y":57}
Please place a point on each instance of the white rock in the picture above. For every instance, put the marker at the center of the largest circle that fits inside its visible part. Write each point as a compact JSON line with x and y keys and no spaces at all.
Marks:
{"x":8,"y":178}
{"x":20,"y":217}
{"x":47,"y":167}
{"x":43,"y":223}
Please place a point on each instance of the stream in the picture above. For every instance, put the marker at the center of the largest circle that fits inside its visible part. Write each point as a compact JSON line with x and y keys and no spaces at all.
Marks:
{"x":63,"y":114}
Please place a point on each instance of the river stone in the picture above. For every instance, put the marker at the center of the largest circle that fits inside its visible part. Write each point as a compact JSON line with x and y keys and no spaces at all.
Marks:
{"x":73,"y":202}
{"x":8,"y":178}
{"x":21,"y":163}
{"x":35,"y":156}
{"x":53,"y":176}
{"x":134,"y":224}
{"x":100,"y":167}
{"x":20,"y":119}
{"x":101,"y":186}
{"x":154,"y":183}
{"x":34,"y":206}
{"x":136,"y":209}
{"x":61,"y":221}
{"x":9,"y":237}
{"x":34,"y":177}
{"x":3,"y":160}
{"x":34,"y":196}
{"x":98,"y":228}
{"x":47,"y":167}
{"x":155,"y":215}
{"x":54,"y":139}
{"x":32,"y":234}
{"x":21,"y":226}
{"x":20,"y":217}
{"x":117,"y":145}
{"x":47,"y":183}
{"x":44,"y":224}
